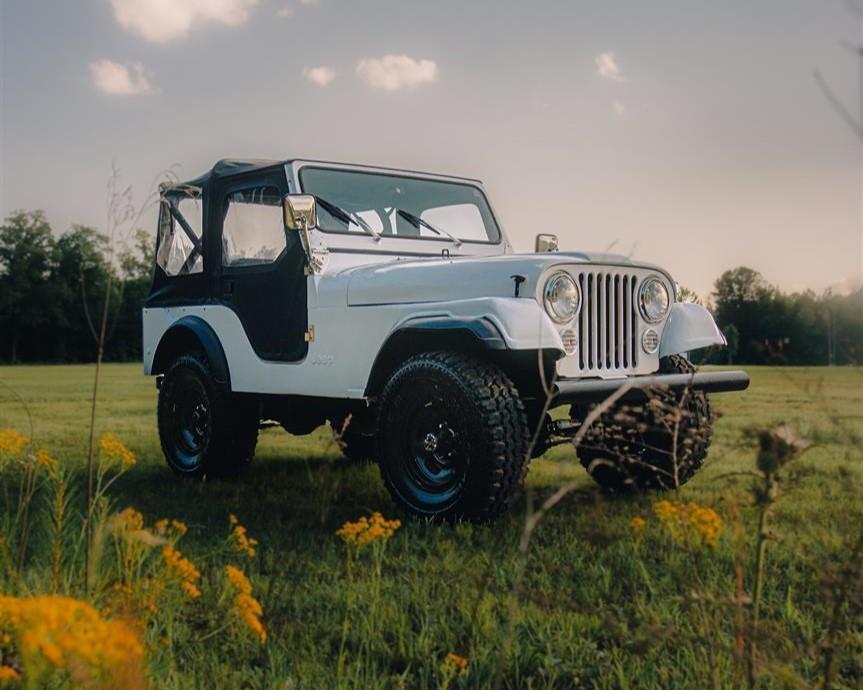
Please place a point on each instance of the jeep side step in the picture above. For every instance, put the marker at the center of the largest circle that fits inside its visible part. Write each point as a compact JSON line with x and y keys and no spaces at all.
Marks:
{"x":599,"y":389}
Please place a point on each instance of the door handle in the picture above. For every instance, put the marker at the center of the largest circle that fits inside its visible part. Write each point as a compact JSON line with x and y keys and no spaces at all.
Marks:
{"x":228,"y":290}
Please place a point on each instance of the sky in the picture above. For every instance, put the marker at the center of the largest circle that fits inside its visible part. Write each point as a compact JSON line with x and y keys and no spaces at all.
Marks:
{"x":687,"y":133}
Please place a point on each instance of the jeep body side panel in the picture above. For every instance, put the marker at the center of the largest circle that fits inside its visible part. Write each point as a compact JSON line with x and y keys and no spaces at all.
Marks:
{"x":346,"y":341}
{"x":689,"y":327}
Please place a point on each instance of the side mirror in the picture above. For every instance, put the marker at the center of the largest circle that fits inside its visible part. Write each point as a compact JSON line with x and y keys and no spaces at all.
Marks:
{"x":300,"y":211}
{"x":546,"y":243}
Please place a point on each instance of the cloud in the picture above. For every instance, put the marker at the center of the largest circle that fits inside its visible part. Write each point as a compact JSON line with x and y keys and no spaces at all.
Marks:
{"x":284,"y":11}
{"x":394,"y":72}
{"x":321,"y":76}
{"x":606,"y":67}
{"x":117,"y":80}
{"x":163,"y":20}
{"x":618,"y":108}
{"x":309,"y":2}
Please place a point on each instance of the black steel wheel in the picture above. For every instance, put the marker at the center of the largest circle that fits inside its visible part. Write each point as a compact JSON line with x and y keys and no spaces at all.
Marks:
{"x":659,"y":443}
{"x":452,"y":438}
{"x":204,"y":431}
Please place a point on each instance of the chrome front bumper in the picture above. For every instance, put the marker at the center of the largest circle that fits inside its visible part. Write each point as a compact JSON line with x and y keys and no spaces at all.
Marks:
{"x":572,"y":390}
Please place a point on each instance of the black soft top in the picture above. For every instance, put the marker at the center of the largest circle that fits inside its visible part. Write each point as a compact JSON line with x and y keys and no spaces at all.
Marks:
{"x":228,"y":167}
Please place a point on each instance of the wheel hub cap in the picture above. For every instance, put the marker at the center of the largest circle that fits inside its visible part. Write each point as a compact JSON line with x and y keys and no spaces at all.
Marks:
{"x":430,"y":442}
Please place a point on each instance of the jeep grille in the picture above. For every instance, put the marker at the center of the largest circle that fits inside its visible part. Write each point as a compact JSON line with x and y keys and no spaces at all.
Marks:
{"x":608,"y":324}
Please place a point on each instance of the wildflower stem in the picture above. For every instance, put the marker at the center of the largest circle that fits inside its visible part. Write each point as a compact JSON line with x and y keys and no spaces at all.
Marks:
{"x":57,"y":521}
{"x":211,"y":634}
{"x":91,"y":442}
{"x":24,"y":532}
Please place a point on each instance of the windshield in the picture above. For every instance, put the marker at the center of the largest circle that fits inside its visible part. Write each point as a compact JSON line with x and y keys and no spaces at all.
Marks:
{"x":396,"y":206}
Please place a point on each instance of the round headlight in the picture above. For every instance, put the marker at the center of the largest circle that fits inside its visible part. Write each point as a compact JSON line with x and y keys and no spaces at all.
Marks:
{"x":653,"y":299}
{"x":562,"y":297}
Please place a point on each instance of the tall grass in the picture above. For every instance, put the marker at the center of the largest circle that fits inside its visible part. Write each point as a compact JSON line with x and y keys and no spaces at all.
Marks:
{"x":714,"y":585}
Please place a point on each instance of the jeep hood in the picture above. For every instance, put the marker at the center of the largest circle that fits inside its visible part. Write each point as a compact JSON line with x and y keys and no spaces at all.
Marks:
{"x":438,"y":279}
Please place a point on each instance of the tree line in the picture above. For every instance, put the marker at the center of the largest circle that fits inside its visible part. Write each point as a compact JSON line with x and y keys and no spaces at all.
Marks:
{"x":763,"y":325}
{"x":52,"y":288}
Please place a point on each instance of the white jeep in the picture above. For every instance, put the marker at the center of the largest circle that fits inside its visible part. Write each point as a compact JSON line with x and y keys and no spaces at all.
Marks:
{"x":390,"y":304}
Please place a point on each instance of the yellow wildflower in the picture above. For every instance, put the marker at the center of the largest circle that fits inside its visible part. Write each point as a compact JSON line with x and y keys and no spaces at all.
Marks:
{"x":182,"y":569}
{"x":170,"y":528}
{"x":11,"y":441}
{"x":238,"y":579}
{"x":190,"y":589}
{"x":113,"y":450}
{"x":45,"y":461}
{"x":70,"y":636}
{"x":242,"y":541}
{"x":127,"y":520}
{"x":368,"y":529}
{"x":455,"y":664}
{"x":8,"y":675}
{"x":686,"y":521}
{"x":638,"y":524}
{"x":247,"y":608}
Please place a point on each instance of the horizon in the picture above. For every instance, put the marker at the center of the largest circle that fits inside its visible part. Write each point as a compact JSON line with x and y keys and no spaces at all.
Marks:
{"x":694,"y":138}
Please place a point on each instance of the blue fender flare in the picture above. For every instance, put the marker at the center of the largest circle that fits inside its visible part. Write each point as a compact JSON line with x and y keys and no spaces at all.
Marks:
{"x":187,"y":334}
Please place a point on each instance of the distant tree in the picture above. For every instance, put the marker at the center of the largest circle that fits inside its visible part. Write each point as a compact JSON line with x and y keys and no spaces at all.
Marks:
{"x":28,"y":297}
{"x":740,"y":285}
{"x":80,"y":272}
{"x":742,"y":297}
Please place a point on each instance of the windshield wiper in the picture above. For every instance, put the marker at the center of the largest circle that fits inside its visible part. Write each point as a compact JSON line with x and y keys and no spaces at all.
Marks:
{"x":416,"y":221}
{"x":346,"y":217}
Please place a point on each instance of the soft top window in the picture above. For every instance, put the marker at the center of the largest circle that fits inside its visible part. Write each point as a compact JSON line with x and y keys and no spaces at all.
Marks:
{"x":253,"y":232}
{"x":399,"y":206}
{"x":180,"y":223}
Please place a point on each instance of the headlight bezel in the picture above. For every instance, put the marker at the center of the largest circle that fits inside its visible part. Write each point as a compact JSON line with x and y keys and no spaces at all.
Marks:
{"x":549,"y":300}
{"x":642,"y":300}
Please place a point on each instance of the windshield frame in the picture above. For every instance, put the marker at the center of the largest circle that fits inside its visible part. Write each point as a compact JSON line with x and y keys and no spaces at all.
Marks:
{"x":388,"y":172}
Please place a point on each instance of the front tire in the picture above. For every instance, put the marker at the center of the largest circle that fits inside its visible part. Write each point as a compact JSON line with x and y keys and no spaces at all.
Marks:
{"x":659,"y":444}
{"x":452,"y":438}
{"x":204,"y":432}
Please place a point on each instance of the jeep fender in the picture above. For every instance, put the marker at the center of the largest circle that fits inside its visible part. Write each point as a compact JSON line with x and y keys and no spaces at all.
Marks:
{"x":478,"y":325}
{"x":192,"y":333}
{"x":689,"y":327}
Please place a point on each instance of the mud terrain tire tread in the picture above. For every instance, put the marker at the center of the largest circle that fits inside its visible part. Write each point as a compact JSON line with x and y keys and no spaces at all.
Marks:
{"x":499,"y":429}
{"x":606,"y":451}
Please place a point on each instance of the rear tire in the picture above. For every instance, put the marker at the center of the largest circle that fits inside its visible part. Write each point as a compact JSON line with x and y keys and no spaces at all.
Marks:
{"x":204,"y":431}
{"x":658,"y":444}
{"x":452,"y":438}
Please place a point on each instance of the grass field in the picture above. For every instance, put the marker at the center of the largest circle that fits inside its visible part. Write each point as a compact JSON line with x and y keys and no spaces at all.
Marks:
{"x":601,"y":605}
